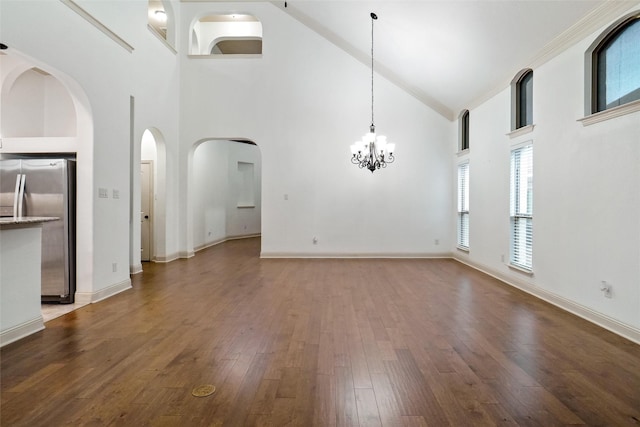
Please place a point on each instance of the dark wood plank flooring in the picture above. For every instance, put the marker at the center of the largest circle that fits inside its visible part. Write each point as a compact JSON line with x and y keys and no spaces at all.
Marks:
{"x":319,"y":343}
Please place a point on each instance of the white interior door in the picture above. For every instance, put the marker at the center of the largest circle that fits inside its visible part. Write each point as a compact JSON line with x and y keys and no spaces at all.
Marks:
{"x":146,"y":208}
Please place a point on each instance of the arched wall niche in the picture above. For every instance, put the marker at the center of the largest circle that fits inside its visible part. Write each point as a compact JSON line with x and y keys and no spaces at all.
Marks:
{"x":36,"y":104}
{"x":225,"y":182}
{"x":242,"y":33}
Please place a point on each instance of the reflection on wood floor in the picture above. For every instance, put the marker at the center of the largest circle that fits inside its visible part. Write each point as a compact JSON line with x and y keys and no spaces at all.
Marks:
{"x":319,"y":342}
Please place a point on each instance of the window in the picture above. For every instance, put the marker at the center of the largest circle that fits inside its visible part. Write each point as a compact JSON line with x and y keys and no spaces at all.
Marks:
{"x":246,"y":194}
{"x":463,"y":205}
{"x":521,"y":206}
{"x":616,"y":66}
{"x":522,"y":100}
{"x":464,"y":130}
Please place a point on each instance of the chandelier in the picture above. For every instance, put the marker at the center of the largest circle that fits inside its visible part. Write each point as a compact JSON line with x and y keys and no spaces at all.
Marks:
{"x":373,"y":152}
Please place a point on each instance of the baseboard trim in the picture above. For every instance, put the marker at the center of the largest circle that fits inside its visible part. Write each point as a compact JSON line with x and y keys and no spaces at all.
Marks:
{"x":586,"y":313}
{"x":372,"y":255}
{"x":225,"y":239}
{"x":135,"y":269}
{"x":168,"y":258}
{"x":92,"y":297}
{"x":22,"y":330}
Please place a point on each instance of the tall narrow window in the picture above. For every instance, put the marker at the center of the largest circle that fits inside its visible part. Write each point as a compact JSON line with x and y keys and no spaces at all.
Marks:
{"x":522,"y":100}
{"x":464,"y":130}
{"x":616,"y":67}
{"x":463,"y":205}
{"x":521,"y":207}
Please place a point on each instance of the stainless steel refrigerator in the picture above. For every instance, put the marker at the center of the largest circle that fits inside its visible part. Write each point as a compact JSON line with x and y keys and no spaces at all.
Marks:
{"x":46,"y":187}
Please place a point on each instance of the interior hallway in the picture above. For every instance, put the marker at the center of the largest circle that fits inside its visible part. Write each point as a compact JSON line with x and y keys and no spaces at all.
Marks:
{"x":319,"y":342}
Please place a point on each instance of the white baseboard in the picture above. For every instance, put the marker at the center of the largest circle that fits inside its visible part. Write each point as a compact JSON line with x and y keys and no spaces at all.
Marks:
{"x":624,"y":330}
{"x":91,"y":297}
{"x":135,"y":269}
{"x":399,"y":255}
{"x":20,"y":331}
{"x":166,"y":258}
{"x":225,"y":239}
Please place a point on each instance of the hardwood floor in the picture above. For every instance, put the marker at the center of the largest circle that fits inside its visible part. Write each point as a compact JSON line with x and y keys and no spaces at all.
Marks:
{"x":319,"y":343}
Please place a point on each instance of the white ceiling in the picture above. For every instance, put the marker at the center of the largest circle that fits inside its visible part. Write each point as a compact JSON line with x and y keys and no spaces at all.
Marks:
{"x":453,"y":54}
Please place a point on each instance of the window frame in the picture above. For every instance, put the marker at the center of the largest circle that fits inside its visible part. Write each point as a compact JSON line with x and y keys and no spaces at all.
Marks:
{"x":517,"y":260}
{"x":462,"y":201}
{"x":592,"y":63}
{"x":463,"y":131}
{"x":516,"y":99}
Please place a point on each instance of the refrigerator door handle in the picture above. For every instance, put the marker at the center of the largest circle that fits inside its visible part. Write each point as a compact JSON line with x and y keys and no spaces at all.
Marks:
{"x":23,"y":178}
{"x":17,"y":199}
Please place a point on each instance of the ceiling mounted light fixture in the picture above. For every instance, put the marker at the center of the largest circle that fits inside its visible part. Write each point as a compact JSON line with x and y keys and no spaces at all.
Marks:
{"x":161,"y":15}
{"x":373,"y":152}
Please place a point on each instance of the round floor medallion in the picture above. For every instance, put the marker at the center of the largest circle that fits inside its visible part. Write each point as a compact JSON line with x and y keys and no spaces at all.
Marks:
{"x":204,"y":390}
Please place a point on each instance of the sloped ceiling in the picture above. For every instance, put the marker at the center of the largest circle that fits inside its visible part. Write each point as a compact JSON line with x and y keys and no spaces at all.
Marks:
{"x":453,"y":54}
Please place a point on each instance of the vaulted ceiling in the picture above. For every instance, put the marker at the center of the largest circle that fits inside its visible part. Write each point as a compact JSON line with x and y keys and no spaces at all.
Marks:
{"x":453,"y":54}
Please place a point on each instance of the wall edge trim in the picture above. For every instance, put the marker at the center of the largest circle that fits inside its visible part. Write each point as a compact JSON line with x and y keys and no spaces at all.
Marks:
{"x":21,"y":331}
{"x":102,"y":294}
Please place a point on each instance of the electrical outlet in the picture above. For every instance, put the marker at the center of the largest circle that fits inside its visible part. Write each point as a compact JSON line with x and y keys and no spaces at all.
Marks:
{"x":116,"y":194}
{"x":315,"y":240}
{"x":103,"y":193}
{"x":437,"y":242}
{"x":114,"y":267}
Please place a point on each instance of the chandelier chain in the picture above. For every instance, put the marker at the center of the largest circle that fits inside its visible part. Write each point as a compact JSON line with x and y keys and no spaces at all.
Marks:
{"x":372,"y":122}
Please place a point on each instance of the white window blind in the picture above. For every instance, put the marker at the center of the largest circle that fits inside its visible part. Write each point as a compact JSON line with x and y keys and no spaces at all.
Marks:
{"x":521,"y":207}
{"x":463,"y":205}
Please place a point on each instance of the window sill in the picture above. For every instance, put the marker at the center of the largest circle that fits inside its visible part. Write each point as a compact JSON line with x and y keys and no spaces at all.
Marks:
{"x":520,"y":131}
{"x":462,"y":249}
{"x":520,"y":269}
{"x":462,"y":153}
{"x":611,"y":113}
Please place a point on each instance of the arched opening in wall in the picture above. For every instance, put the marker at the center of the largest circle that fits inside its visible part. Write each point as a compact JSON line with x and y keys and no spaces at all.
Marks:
{"x":151,"y":191}
{"x":226,"y":34}
{"x":161,"y":20}
{"x":47,"y":123}
{"x":226,"y":179}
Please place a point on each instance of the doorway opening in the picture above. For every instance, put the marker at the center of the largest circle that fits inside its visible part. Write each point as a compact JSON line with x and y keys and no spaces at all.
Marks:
{"x":226,"y":191}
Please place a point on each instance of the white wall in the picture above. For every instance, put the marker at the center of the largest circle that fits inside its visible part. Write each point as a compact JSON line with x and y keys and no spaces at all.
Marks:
{"x":304,"y":103}
{"x":586,"y":197}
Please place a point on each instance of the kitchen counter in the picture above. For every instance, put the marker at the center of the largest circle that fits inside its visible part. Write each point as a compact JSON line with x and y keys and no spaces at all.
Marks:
{"x":5,"y":221}
{"x":20,"y":277}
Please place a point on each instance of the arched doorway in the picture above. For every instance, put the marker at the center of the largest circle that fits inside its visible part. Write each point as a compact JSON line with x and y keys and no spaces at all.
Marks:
{"x":148,"y":227}
{"x":226,"y":182}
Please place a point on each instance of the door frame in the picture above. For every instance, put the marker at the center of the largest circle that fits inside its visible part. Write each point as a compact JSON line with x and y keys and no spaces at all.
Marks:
{"x":151,"y":209}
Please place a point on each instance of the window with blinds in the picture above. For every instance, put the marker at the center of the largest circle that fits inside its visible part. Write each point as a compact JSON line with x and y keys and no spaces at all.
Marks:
{"x":521,"y":207}
{"x":463,"y":205}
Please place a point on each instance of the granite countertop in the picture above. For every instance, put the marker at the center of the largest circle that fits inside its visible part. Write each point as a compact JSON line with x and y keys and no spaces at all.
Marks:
{"x":27,"y":220}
